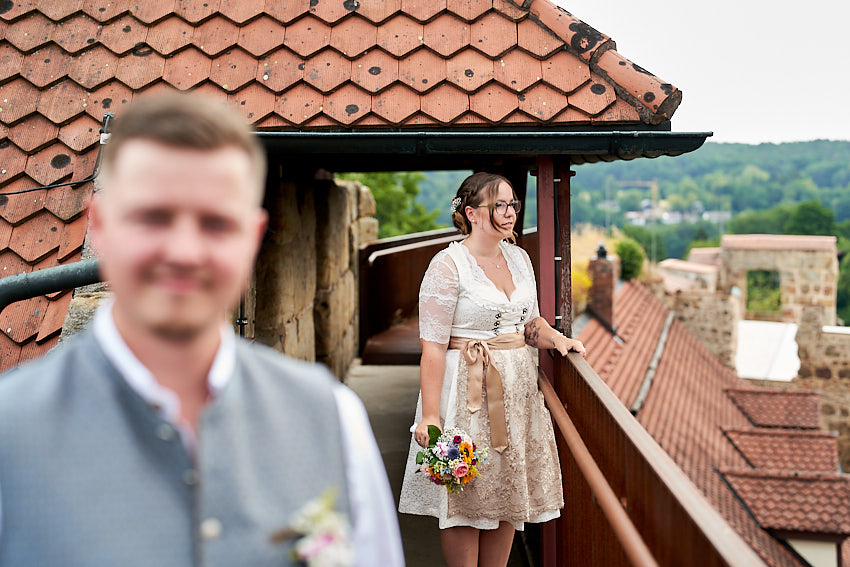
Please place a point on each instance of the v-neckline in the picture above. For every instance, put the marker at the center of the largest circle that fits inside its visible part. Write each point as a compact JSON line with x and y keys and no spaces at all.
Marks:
{"x":509,"y":297}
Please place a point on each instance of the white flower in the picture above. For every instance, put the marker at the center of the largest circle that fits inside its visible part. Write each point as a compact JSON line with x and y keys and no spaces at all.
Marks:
{"x":325,"y":541}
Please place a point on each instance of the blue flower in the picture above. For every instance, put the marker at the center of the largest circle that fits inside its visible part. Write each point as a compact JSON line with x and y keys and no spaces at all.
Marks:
{"x":453,"y":453}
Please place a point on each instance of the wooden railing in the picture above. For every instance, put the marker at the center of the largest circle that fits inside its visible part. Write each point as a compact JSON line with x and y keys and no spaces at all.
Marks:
{"x":626,"y":500}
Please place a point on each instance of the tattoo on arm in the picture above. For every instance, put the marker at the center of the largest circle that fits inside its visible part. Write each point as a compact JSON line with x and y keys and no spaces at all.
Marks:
{"x":532,"y":334}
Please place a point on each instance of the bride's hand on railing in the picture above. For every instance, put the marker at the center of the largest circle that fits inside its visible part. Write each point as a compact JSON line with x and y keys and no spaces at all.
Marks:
{"x":565,"y":344}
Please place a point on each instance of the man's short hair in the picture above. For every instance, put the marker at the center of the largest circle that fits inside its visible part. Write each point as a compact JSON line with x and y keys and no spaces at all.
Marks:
{"x":186,"y":121}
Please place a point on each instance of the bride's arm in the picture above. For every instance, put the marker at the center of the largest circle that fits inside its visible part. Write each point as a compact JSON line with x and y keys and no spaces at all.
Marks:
{"x":431,"y":370}
{"x":539,"y":334}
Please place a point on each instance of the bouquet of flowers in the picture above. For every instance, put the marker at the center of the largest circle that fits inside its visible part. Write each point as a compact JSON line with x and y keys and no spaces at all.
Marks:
{"x":451,"y":459}
{"x":322,"y":534}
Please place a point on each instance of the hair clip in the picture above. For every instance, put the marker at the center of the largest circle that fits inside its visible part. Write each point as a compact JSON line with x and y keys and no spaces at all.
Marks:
{"x":455,"y":205}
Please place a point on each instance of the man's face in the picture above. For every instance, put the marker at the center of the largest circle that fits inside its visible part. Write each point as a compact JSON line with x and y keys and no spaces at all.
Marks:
{"x":177,"y":231}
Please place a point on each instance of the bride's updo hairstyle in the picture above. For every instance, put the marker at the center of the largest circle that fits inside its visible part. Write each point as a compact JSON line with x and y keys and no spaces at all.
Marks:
{"x":475,"y":190}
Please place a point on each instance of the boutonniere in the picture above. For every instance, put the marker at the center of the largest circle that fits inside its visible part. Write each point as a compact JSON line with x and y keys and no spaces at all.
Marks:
{"x":323,"y":534}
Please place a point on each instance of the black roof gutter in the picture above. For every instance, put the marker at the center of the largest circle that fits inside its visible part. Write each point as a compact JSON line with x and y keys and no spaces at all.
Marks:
{"x":581,"y":147}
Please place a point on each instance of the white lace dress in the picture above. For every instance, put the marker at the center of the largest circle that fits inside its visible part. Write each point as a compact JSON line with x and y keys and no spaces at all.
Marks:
{"x":523,"y":483}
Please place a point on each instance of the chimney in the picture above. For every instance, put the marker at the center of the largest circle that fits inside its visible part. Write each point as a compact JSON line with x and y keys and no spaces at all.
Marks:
{"x":604,"y":272}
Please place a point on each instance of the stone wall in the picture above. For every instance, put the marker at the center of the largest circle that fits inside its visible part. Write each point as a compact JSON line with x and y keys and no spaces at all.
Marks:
{"x":806,"y":277}
{"x":712,"y":318}
{"x":825,"y":366}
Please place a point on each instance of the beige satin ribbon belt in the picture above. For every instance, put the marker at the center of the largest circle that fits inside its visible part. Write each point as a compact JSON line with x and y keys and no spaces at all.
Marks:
{"x":476,"y":352}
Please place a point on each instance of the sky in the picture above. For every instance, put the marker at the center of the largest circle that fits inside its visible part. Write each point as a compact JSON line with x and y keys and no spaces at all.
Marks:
{"x":751,"y":71}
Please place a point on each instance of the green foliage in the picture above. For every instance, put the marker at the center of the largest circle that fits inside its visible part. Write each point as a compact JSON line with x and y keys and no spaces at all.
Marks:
{"x":763,"y":293}
{"x":843,"y":306}
{"x":395,"y":194}
{"x":644,"y":237}
{"x":770,"y":221}
{"x":631,"y":258}
{"x":811,"y":218}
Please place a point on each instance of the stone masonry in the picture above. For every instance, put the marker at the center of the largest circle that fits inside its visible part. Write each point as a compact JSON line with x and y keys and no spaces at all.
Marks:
{"x":713,"y":319}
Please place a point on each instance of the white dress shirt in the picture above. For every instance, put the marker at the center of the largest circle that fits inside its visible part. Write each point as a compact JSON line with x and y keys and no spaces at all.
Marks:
{"x":375,"y":534}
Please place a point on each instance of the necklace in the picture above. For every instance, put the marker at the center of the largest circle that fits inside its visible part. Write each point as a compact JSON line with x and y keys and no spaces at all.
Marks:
{"x":496,"y":262}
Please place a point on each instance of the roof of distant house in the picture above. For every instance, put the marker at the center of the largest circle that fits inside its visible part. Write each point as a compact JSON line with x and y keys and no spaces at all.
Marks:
{"x":777,"y":242}
{"x":712,"y":423}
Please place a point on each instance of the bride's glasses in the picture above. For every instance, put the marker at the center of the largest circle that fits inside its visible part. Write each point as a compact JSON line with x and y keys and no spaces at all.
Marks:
{"x":501,"y":207}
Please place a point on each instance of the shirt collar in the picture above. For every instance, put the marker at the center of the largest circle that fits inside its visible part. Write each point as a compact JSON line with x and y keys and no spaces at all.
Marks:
{"x":142,"y":381}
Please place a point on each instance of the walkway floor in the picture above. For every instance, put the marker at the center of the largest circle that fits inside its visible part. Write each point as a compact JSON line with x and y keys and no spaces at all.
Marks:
{"x":390,"y":394}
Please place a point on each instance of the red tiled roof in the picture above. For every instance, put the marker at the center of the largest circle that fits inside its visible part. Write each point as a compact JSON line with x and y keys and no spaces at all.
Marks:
{"x":691,"y":414}
{"x":797,"y":502}
{"x":778,"y":450}
{"x":286,"y":65}
{"x":778,"y":408}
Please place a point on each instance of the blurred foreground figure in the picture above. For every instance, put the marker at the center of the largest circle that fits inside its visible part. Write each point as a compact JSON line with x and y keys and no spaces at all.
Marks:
{"x":158,"y":437}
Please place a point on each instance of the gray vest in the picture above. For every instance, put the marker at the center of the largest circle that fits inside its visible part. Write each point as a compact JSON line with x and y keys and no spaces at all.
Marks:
{"x":91,"y":476}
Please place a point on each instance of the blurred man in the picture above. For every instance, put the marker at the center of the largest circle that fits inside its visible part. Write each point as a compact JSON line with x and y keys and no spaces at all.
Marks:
{"x":157,"y":437}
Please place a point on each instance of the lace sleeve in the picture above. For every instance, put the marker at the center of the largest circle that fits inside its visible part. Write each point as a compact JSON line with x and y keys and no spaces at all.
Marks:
{"x":437,"y":299}
{"x":535,"y":310}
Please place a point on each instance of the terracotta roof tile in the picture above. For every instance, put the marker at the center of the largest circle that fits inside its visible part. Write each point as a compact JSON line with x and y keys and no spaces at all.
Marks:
{"x":156,"y":87}
{"x":93,"y":67}
{"x":215,"y":35}
{"x":565,"y":71}
{"x":400,"y":35}
{"x":272,"y":122}
{"x":535,"y":39}
{"x":593,"y":97}
{"x":11,"y":263}
{"x":422,"y":70}
{"x":321,"y":122}
{"x":469,"y":9}
{"x":783,"y":450}
{"x":83,"y":165}
{"x":494,"y":102}
{"x":18,"y":8}
{"x":105,"y":11}
{"x":373,"y":120}
{"x":17,"y":207}
{"x":13,"y":160}
{"x":378,"y":10}
{"x":18,"y":98}
{"x":261,"y":36}
{"x":542,"y":102}
{"x":20,"y":321}
{"x":420,"y":119}
{"x":73,"y":234}
{"x":620,"y":111}
{"x":347,"y":104}
{"x":374,"y":70}
{"x":54,"y":317}
{"x":280,"y":70}
{"x":423,"y":10}
{"x":509,"y":9}
{"x":287,"y":11}
{"x":254,"y":102}
{"x":518,"y":70}
{"x":33,"y":31}
{"x":353,"y":36}
{"x":241,"y":10}
{"x":68,"y":202}
{"x":33,"y":133}
{"x":299,"y":104}
{"x":110,"y":97}
{"x":447,"y":35}
{"x":332,"y":10}
{"x":60,"y":10}
{"x":808,"y":503}
{"x":37,"y":237}
{"x":35,"y":348}
{"x":123,"y":34}
{"x":43,"y":67}
{"x":187,"y":69}
{"x":193,"y":11}
{"x":469,"y":70}
{"x":51,"y":164}
{"x":63,"y":101}
{"x":81,"y":133}
{"x":493,"y":34}
{"x":395,"y":104}
{"x":169,"y":35}
{"x":150,"y":11}
{"x":138,"y":71}
{"x":10,"y":352}
{"x":211,"y":90}
{"x":327,"y":70}
{"x":445,"y":103}
{"x":777,"y":408}
{"x":584,"y":39}
{"x":5,"y":233}
{"x":307,"y":36}
{"x":10,"y":61}
{"x":77,"y":33}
